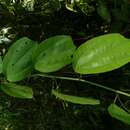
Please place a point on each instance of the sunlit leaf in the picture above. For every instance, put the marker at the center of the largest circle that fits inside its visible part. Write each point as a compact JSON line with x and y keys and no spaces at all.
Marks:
{"x":101,"y":54}
{"x":28,"y":4}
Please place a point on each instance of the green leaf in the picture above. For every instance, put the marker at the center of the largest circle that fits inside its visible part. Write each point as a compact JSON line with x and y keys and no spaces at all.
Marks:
{"x":70,"y":7}
{"x":85,"y":7}
{"x":75,"y":99}
{"x":119,"y":114}
{"x":17,"y":90}
{"x":28,"y":4}
{"x":55,"y":53}
{"x":101,"y":54}
{"x":19,"y":60}
{"x":1,"y":65}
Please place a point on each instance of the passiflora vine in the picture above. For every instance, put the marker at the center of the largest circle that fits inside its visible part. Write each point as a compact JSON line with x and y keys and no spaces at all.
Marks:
{"x":97,"y":55}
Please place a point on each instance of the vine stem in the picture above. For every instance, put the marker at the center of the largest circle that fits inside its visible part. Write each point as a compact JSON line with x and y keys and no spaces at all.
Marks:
{"x":84,"y":81}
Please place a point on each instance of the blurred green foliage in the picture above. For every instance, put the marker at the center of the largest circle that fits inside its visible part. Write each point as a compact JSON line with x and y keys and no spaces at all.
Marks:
{"x":10,"y":119}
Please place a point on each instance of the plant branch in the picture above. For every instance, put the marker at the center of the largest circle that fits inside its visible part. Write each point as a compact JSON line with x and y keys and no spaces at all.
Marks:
{"x":84,"y":81}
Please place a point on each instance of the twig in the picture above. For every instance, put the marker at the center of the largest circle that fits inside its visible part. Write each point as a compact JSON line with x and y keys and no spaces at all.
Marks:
{"x":84,"y":81}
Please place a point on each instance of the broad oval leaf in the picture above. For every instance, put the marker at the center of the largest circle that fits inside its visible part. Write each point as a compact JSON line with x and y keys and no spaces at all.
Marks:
{"x":19,"y":60}
{"x":76,"y":99}
{"x":119,"y":114}
{"x":55,"y":53}
{"x":17,"y":90}
{"x":1,"y":65}
{"x":102,"y":54}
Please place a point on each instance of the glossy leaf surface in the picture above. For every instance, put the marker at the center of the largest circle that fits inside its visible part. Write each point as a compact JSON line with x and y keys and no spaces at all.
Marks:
{"x":17,"y":90}
{"x":55,"y":53}
{"x":119,"y":114}
{"x":76,"y":99}
{"x":19,"y":60}
{"x":101,"y":54}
